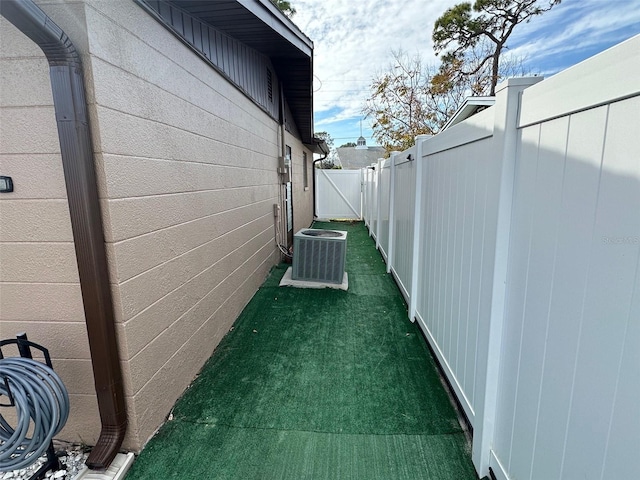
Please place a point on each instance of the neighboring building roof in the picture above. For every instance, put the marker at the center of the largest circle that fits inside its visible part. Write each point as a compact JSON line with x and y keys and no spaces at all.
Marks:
{"x":469,"y":107}
{"x":353,"y":158}
{"x":262,"y":26}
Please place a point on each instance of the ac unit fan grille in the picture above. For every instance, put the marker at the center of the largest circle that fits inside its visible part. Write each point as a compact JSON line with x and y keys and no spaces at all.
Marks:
{"x":318,"y":259}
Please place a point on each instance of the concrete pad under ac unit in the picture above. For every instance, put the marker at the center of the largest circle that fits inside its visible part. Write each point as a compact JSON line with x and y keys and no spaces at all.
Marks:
{"x":287,"y":281}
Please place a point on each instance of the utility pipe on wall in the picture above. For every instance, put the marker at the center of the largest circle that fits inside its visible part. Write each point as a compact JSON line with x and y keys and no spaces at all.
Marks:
{"x":86,"y":220}
{"x":315,"y":193}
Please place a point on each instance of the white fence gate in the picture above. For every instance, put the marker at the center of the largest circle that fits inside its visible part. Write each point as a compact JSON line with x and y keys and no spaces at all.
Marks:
{"x":338,"y":194}
{"x":515,"y":237}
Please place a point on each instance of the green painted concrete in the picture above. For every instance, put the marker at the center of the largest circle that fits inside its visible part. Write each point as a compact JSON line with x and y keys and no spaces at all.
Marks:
{"x":316,"y":384}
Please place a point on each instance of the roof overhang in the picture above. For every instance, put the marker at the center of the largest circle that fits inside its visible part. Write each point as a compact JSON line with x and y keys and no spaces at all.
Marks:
{"x":469,"y":107}
{"x":260,"y":25}
{"x":319,"y":146}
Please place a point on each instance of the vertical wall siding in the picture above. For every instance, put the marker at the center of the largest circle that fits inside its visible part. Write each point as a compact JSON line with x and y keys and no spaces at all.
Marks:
{"x":243,"y":66}
{"x":569,"y":371}
{"x":404,"y":199}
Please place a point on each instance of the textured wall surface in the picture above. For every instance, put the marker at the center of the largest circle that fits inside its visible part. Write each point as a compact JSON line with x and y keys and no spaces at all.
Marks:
{"x":39,"y":286}
{"x":187,"y":173}
{"x":302,"y":198}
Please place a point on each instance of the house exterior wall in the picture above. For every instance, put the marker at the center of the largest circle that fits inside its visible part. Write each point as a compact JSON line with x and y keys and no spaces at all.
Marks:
{"x":187,"y":174}
{"x":247,"y":69}
{"x":302,"y":197}
{"x":39,"y":286}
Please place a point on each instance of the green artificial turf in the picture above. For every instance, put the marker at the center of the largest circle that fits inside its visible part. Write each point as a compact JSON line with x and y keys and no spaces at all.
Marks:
{"x":316,"y":384}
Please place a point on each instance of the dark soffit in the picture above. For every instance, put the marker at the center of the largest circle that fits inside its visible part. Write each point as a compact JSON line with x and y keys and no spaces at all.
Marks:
{"x":261,"y":26}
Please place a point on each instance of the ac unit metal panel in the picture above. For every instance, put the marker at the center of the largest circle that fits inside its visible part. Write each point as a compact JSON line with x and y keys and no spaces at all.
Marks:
{"x":319,"y":255}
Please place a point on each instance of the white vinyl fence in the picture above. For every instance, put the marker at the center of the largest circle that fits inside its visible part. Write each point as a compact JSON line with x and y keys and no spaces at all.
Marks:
{"x":384,"y":186}
{"x":367,"y":195}
{"x":515,"y":238}
{"x":338,"y":194}
{"x":401,"y":208}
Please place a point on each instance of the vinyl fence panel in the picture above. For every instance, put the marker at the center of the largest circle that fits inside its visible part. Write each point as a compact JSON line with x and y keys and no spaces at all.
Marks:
{"x":525,"y":267}
{"x":570,"y":383}
{"x":403,"y":220}
{"x":338,"y":194}
{"x":460,"y":212}
{"x":384,"y":186}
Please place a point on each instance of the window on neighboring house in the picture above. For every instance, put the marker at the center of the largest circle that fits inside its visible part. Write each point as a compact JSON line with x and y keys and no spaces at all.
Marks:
{"x":305,"y":170}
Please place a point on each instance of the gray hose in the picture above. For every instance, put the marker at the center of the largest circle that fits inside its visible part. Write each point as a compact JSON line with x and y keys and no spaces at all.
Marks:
{"x":41,"y":402}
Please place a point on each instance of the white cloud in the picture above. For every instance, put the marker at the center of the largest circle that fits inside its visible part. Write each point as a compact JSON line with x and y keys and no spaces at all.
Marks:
{"x":576,"y":26}
{"x":354,"y":40}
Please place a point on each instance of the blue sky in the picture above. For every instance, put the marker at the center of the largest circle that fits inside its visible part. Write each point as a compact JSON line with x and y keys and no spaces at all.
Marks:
{"x":354,"y":39}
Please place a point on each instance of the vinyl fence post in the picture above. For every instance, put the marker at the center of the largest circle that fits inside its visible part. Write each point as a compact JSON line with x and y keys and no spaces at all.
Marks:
{"x":505,"y":147}
{"x":392,"y":214}
{"x":417,"y":227}
{"x":378,"y":195}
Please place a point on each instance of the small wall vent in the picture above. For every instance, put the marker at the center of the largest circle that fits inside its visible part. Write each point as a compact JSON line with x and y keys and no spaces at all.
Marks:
{"x":319,"y":255}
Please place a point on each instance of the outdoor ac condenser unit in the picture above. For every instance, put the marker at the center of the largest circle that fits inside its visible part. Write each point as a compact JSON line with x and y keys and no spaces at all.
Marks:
{"x":319,"y":255}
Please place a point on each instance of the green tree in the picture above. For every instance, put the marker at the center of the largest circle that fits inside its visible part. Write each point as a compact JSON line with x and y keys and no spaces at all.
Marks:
{"x":348,"y":144}
{"x":487,"y":24}
{"x":412,"y":98}
{"x":398,"y":103}
{"x":285,"y":7}
{"x":332,"y":160}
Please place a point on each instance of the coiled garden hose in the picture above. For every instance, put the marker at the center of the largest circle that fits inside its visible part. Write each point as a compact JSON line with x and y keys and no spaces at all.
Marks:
{"x":41,"y":403}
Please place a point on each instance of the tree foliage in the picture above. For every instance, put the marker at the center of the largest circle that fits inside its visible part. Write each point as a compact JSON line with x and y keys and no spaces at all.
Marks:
{"x":285,"y":7}
{"x":411,"y":98}
{"x":348,"y":144}
{"x":332,"y":160}
{"x":398,"y":103}
{"x":487,"y":24}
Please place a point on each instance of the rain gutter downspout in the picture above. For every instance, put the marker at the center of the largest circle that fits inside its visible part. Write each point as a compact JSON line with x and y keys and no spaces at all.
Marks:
{"x":70,"y":106}
{"x":313,"y":169}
